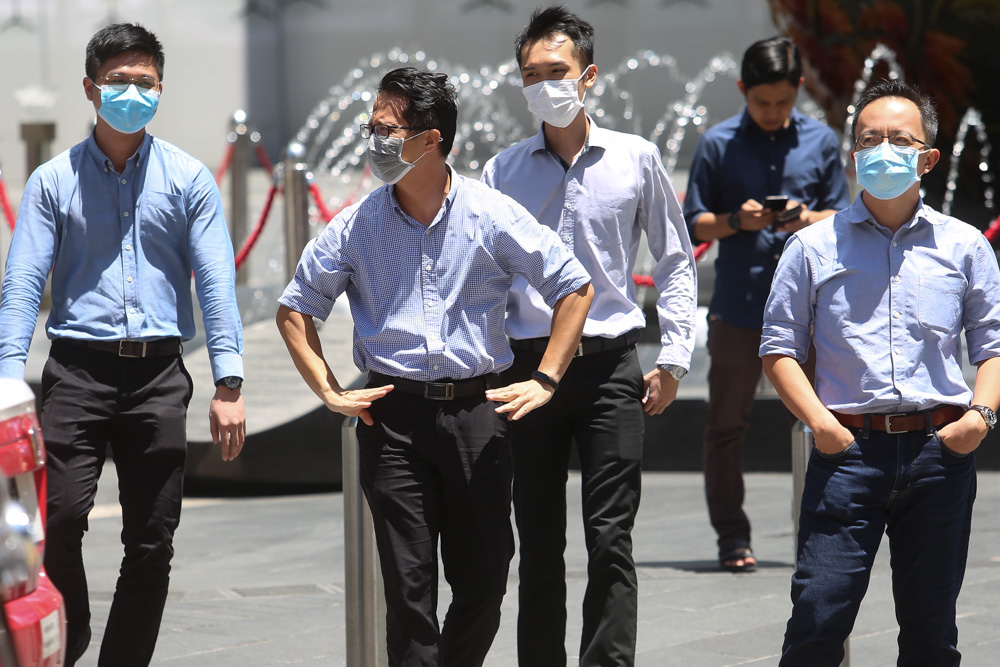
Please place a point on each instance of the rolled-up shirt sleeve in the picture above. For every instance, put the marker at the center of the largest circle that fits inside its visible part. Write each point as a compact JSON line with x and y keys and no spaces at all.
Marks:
{"x":981,"y":314}
{"x":533,"y":250}
{"x":788,"y":314}
{"x":321,"y":276}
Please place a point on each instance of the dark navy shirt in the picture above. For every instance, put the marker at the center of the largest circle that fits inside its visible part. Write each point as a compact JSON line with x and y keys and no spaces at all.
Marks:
{"x":736,"y":161}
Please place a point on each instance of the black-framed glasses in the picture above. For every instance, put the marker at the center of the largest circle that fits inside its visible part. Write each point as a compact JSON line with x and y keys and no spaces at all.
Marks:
{"x":119,"y":82}
{"x":901,"y":140}
{"x":382,"y":131}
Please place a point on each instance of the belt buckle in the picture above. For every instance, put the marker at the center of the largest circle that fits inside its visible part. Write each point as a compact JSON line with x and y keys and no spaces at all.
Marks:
{"x":123,"y":353}
{"x":888,"y":423}
{"x":448,"y":387}
{"x":579,"y":350}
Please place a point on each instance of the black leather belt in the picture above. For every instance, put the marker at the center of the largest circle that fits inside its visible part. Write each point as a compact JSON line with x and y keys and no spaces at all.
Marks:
{"x":902,"y":422}
{"x":133,"y":349}
{"x":445,"y":390}
{"x":588,"y":344}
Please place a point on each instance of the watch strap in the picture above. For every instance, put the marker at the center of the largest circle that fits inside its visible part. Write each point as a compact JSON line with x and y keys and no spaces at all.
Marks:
{"x":545,"y":379}
{"x":989,"y":416}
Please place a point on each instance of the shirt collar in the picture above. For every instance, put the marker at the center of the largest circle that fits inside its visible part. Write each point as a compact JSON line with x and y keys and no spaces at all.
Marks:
{"x":597,"y":137}
{"x":449,"y":199}
{"x":857,"y":212}
{"x":747,"y":124}
{"x":104,"y":162}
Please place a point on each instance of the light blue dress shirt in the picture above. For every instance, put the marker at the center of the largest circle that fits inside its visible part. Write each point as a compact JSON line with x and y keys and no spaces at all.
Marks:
{"x":121,"y":249}
{"x":616,"y":189}
{"x":428,"y":302}
{"x":887,"y":310}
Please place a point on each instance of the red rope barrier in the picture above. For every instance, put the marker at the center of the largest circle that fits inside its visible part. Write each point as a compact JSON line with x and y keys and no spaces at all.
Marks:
{"x":263,"y":159}
{"x":8,"y":211}
{"x":993,"y":231}
{"x":227,"y":159}
{"x":258,"y":228}
{"x":324,"y":212}
{"x":647,"y":281}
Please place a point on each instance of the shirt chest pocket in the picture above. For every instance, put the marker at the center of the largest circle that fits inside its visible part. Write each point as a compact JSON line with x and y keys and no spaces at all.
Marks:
{"x":607,"y":224}
{"x":939,"y":303}
{"x":160,"y":218}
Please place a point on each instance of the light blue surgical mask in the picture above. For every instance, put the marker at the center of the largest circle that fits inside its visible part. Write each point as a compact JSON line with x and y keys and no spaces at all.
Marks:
{"x":128,"y":110}
{"x":887,"y":171}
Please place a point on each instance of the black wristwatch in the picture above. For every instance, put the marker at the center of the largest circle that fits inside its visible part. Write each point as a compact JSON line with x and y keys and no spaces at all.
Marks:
{"x":734,"y":221}
{"x":231,"y":382}
{"x":546,"y":379}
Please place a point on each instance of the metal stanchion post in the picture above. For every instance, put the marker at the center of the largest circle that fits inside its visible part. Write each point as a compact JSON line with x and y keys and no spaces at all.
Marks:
{"x":296,"y":206}
{"x":38,"y":137}
{"x":365,"y":609}
{"x":802,"y":446}
{"x":239,"y":170}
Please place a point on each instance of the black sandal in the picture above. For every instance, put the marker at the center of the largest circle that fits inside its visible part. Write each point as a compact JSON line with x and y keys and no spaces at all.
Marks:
{"x":727,"y":561}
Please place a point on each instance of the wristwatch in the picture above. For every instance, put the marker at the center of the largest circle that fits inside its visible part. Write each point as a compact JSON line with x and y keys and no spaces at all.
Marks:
{"x":734,"y":221}
{"x":989,"y":416}
{"x":676,"y":372}
{"x":231,"y":382}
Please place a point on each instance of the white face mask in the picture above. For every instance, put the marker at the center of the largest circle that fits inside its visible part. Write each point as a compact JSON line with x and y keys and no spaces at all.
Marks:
{"x":555,"y":102}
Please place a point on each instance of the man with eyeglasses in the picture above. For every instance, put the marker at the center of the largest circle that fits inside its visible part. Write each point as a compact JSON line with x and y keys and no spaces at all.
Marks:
{"x":122,"y":220}
{"x":427,"y":262}
{"x":768,"y":155}
{"x":885,"y":289}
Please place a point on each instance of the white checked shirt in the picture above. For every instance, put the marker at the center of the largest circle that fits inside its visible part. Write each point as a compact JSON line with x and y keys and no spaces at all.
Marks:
{"x":616,"y":189}
{"x":429,"y":302}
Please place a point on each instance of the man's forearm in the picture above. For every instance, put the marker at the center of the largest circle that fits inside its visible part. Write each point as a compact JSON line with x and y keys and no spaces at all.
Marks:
{"x":987,"y":390}
{"x":568,"y":317}
{"x":797,"y":392}
{"x":302,"y":340}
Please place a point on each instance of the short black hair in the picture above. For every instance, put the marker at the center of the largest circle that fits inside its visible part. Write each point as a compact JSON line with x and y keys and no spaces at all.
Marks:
{"x":770,"y":61}
{"x":118,"y":38}
{"x":903,"y":90}
{"x":552,"y":21}
{"x":430,"y":101}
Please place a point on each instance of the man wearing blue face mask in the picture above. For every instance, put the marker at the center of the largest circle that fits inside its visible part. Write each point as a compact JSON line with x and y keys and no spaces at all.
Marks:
{"x":599,"y":190}
{"x":885,"y":288}
{"x":122,"y":220}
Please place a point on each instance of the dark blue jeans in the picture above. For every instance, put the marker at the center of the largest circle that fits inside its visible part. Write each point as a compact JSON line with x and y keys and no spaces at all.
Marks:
{"x":921,"y":494}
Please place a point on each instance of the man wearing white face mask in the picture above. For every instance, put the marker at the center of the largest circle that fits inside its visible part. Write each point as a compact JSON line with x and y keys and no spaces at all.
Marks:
{"x":122,"y":220}
{"x":427,"y":262}
{"x":599,"y":190}
{"x":885,"y":289}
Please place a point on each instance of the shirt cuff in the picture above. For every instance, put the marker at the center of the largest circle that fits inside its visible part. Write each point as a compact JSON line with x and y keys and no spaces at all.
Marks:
{"x":12,"y":368}
{"x":225,"y":365}
{"x":784,"y":341}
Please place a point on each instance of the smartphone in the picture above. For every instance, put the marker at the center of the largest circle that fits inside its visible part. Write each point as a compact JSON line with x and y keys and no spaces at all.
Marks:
{"x":776,"y":203}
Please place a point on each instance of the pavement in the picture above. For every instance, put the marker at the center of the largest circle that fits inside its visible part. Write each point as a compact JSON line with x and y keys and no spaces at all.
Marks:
{"x":260,"y":581}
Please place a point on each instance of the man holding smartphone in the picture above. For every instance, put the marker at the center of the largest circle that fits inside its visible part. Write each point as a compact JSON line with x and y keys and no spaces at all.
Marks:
{"x":755,"y":178}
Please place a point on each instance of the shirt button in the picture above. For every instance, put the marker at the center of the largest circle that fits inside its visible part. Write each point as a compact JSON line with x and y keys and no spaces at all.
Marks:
{"x":773,"y":168}
{"x":430,"y":266}
{"x":125,"y":213}
{"x":129,"y":279}
{"x":128,"y":246}
{"x":896,"y":279}
{"x":896,"y":351}
{"x":124,"y":181}
{"x":894,"y":244}
{"x":435,"y":366}
{"x":132,"y":311}
{"x":896,"y":315}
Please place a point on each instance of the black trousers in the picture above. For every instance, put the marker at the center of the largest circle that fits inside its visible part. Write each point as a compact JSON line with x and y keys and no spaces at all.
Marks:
{"x":597,"y":407}
{"x":92,"y":400}
{"x":439,"y":469}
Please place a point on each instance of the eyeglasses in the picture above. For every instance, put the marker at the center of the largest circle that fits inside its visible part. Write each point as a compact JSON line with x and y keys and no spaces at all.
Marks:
{"x":900,"y":140}
{"x":382,"y":131}
{"x":119,"y":82}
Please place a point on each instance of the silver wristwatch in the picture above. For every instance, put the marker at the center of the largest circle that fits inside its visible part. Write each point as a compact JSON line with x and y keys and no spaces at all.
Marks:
{"x":989,"y":416}
{"x":676,"y":372}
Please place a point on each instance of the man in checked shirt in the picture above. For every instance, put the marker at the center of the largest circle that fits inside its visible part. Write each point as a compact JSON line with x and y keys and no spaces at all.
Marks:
{"x":427,"y":262}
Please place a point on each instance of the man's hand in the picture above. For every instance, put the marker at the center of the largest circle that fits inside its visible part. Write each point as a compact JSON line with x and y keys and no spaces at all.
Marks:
{"x":754,"y":217}
{"x":227,"y":419}
{"x":355,"y":402}
{"x":803,"y":219}
{"x":659,"y":391}
{"x":520,"y":398}
{"x":832,"y":437}
{"x":964,"y":435}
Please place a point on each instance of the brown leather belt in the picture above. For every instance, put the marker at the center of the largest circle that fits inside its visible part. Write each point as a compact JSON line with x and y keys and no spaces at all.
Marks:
{"x":445,"y":390}
{"x":134,"y":349}
{"x":902,"y":422}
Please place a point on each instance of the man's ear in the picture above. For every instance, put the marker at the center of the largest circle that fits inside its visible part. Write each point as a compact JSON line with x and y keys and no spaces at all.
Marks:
{"x":431,"y":139}
{"x":88,"y":89}
{"x":932,"y":158}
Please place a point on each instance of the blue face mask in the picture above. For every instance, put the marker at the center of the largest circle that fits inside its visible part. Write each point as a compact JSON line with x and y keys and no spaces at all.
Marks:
{"x":887,"y":171}
{"x":129,"y":110}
